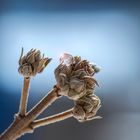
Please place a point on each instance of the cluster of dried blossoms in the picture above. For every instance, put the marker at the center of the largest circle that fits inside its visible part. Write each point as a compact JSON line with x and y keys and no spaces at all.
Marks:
{"x":32,"y":63}
{"x":75,"y":78}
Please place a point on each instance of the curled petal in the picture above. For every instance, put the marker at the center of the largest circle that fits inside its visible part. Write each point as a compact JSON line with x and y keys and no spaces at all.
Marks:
{"x":62,"y":79}
{"x":30,"y":58}
{"x":42,"y":64}
{"x":38,"y":56}
{"x":91,"y":80}
{"x":77,"y":59}
{"x":80,"y":73}
{"x":78,"y":112}
{"x":20,"y":60}
{"x":77,"y":84}
{"x":72,"y":94}
{"x":64,"y":90}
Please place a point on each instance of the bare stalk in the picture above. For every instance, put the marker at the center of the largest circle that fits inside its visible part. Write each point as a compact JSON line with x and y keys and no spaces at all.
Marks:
{"x":21,"y":124}
{"x":43,"y":104}
{"x":52,"y":119}
{"x":24,"y":96}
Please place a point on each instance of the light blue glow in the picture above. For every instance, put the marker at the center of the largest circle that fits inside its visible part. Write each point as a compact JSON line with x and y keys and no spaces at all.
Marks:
{"x":109,"y":39}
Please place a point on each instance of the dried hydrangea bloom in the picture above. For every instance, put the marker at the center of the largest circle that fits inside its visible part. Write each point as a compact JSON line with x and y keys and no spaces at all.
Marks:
{"x":74,"y":76}
{"x":32,"y":63}
{"x":86,"y":108}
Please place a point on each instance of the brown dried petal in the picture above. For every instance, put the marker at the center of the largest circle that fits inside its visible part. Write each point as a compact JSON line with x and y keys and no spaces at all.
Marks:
{"x":77,"y":59}
{"x":64,"y":90}
{"x":30,"y":58}
{"x":35,"y":67}
{"x":90,"y":70}
{"x":42,"y":64}
{"x":90,"y":80}
{"x":62,"y":79}
{"x":78,"y":112}
{"x":65,"y":70}
{"x":62,"y":69}
{"x":31,"y":51}
{"x":58,"y":70}
{"x":74,"y":95}
{"x":47,"y":61}
{"x":76,"y":84}
{"x":22,"y":61}
{"x":38,"y":56}
{"x":79,"y":73}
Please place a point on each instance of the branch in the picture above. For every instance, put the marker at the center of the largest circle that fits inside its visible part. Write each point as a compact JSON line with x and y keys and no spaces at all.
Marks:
{"x":24,"y":96}
{"x":55,"y":118}
{"x":21,"y":124}
{"x":52,"y":119}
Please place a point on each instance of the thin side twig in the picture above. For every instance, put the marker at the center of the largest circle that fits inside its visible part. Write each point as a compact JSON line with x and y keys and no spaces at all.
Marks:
{"x":52,"y":119}
{"x":24,"y":96}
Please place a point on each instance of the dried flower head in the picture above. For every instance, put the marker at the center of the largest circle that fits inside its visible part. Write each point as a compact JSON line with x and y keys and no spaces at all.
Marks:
{"x":86,"y":108}
{"x":32,"y":63}
{"x":74,"y":76}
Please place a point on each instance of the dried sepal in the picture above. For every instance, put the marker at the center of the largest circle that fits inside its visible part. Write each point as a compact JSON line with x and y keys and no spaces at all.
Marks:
{"x":42,"y":64}
{"x":32,"y":63}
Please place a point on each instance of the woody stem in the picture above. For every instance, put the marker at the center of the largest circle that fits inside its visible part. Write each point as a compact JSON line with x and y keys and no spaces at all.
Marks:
{"x":21,"y":124}
{"x":52,"y":119}
{"x":24,"y":96}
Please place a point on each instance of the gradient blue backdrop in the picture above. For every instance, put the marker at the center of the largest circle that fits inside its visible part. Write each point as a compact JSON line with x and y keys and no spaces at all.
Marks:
{"x":104,"y":32}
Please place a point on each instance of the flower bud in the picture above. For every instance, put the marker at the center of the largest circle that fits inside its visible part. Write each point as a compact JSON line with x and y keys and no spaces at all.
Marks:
{"x":86,"y":108}
{"x":74,"y":76}
{"x":96,"y":68}
{"x":32,"y":63}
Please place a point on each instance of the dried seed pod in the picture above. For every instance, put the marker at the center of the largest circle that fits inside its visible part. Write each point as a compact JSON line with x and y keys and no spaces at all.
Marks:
{"x":86,"y":108}
{"x":74,"y":76}
{"x":32,"y":63}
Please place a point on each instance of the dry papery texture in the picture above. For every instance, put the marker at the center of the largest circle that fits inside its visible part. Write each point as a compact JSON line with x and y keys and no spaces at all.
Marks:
{"x":29,"y":65}
{"x":75,"y":76}
{"x":75,"y":79}
{"x":32,"y":63}
{"x":85,"y":108}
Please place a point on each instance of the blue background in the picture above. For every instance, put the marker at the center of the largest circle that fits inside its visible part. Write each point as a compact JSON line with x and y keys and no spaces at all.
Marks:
{"x":104,"y":32}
